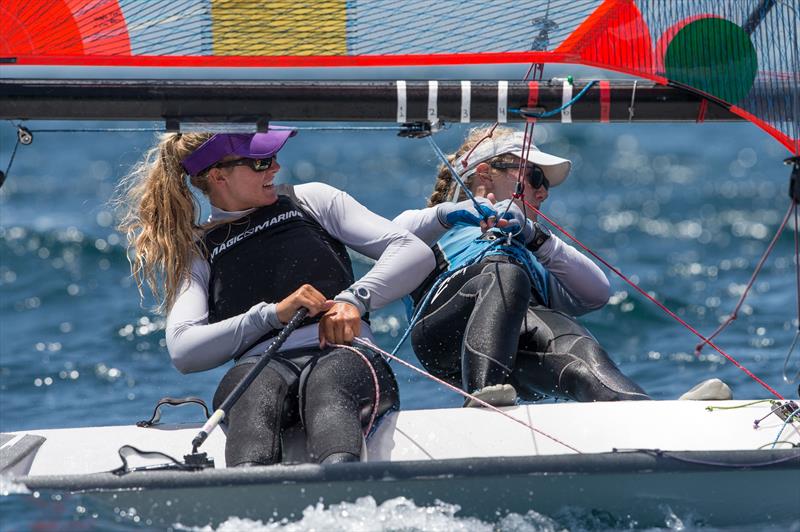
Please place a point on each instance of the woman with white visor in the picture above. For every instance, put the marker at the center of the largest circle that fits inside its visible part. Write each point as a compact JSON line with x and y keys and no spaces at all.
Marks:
{"x":497,"y":314}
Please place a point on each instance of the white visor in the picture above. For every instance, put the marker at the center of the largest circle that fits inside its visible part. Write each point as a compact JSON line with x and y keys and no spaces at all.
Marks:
{"x":555,"y":168}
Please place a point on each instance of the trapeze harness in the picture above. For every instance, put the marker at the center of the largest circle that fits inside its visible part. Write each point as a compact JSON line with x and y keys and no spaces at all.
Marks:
{"x":475,"y":330}
{"x":265,"y":256}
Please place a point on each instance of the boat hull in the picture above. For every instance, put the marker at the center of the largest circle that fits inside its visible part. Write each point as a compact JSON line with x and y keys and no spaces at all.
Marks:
{"x":640,"y":487}
{"x":633,"y":462}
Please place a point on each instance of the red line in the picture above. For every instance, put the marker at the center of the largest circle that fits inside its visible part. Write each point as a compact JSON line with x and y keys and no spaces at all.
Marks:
{"x":533,"y":93}
{"x":658,"y":303}
{"x":370,"y":345}
{"x":733,"y":315}
{"x":533,"y":97}
{"x":793,"y":145}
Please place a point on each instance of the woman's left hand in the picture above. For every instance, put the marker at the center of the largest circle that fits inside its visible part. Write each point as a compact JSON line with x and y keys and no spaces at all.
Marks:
{"x":516,"y":222}
{"x":339,"y":325}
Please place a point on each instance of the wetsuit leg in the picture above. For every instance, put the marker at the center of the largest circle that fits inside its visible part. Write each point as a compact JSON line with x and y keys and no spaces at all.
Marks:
{"x":254,"y":423}
{"x":337,"y":398}
{"x":559,"y":357}
{"x":468,"y":334}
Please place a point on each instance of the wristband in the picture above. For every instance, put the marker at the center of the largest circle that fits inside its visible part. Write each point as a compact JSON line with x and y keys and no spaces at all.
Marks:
{"x":540,"y":235}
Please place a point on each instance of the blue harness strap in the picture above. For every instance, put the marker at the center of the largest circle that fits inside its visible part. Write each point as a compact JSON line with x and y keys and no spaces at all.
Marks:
{"x":465,"y":245}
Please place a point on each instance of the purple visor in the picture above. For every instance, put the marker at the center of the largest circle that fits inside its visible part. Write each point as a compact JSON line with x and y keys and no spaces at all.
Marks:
{"x":250,"y":145}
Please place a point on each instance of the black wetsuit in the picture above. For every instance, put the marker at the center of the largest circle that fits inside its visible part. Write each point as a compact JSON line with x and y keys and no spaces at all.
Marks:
{"x":487,"y":326}
{"x":265,"y":256}
{"x":331,"y":391}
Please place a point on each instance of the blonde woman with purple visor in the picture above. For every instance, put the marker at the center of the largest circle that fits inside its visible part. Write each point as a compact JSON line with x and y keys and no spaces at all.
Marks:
{"x":230,"y":285}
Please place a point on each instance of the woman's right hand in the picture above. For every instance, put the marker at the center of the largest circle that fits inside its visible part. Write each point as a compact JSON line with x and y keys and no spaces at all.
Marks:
{"x":306,"y":296}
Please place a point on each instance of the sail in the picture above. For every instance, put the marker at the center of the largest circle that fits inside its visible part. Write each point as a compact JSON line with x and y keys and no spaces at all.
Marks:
{"x":718,"y":48}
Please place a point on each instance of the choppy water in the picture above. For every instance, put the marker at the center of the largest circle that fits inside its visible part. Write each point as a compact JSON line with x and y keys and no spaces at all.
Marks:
{"x":687,"y":210}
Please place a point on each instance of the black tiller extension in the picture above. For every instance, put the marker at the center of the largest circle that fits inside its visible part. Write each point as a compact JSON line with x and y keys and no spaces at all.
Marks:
{"x":219,"y":414}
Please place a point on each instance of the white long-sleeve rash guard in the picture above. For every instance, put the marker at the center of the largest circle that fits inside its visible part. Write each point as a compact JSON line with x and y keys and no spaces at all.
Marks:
{"x":577,"y":285}
{"x":403,"y":262}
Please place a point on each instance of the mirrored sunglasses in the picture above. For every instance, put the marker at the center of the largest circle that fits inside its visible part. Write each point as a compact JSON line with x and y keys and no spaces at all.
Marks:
{"x":257,"y":165}
{"x":533,"y":174}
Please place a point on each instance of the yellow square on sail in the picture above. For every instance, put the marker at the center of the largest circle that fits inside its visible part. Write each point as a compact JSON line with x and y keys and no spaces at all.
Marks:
{"x":279,"y":27}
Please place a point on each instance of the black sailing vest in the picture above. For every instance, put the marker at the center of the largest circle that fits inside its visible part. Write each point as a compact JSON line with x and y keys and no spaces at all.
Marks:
{"x":268,"y":254}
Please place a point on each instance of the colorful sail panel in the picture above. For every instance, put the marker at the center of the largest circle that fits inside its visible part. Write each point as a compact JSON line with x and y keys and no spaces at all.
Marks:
{"x":720,"y":48}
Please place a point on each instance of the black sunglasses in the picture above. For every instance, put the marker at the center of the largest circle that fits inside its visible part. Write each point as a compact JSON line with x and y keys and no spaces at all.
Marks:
{"x":533,"y":174}
{"x":256,"y":165}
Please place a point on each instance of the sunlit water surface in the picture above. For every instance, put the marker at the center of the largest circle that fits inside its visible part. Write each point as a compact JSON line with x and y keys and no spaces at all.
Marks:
{"x":685,"y":210}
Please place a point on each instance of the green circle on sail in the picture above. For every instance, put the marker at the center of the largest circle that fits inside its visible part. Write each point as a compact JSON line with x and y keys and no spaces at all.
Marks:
{"x":715,"y":56}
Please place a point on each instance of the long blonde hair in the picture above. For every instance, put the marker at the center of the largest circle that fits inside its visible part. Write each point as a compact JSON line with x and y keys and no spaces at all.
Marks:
{"x":159,"y":214}
{"x":445,"y":184}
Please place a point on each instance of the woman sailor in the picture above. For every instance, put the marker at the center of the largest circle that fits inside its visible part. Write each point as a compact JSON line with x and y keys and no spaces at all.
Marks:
{"x":230,"y":285}
{"x":500,"y":324}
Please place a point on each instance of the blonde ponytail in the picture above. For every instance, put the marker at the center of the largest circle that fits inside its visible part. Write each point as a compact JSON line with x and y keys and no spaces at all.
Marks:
{"x":445,"y":184}
{"x":160,"y":215}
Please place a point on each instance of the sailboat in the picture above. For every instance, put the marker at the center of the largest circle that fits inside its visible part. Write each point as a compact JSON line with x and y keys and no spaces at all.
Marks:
{"x":693,"y":61}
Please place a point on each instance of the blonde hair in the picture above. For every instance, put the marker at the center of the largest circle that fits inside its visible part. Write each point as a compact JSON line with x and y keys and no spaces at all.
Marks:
{"x":445,"y":184}
{"x":159,"y":215}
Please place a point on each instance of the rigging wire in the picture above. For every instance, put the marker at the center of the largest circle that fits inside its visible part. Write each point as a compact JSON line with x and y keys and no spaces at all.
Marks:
{"x":454,"y":173}
{"x":162,"y":129}
{"x":797,"y":284}
{"x":434,"y":288}
{"x":4,"y":175}
{"x":658,"y":303}
{"x":735,"y":313}
{"x":376,"y":349}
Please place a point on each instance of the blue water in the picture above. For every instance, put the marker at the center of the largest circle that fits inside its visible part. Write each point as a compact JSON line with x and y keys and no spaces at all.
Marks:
{"x":685,"y":210}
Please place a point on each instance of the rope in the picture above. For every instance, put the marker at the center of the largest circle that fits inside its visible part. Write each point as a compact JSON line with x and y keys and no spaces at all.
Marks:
{"x":434,"y":287}
{"x":776,"y":407}
{"x":658,"y":303}
{"x":668,"y":454}
{"x":11,"y":160}
{"x":374,"y":382}
{"x":557,"y":110}
{"x":453,"y":172}
{"x":103,"y":130}
{"x":788,"y":420}
{"x":164,"y":129}
{"x":733,"y":315}
{"x":459,"y":391}
{"x":712,"y":408}
{"x":788,"y":357}
{"x":4,"y":175}
{"x":797,"y":284}
{"x":488,"y":135}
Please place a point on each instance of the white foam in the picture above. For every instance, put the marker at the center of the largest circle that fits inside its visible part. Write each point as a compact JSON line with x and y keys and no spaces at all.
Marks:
{"x":400,"y":513}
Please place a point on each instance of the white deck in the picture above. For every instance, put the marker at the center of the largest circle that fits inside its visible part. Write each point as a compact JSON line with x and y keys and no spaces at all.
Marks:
{"x":462,"y":433}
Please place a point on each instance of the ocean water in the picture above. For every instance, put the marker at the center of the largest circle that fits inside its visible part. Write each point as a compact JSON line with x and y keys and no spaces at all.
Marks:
{"x":685,"y":210}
